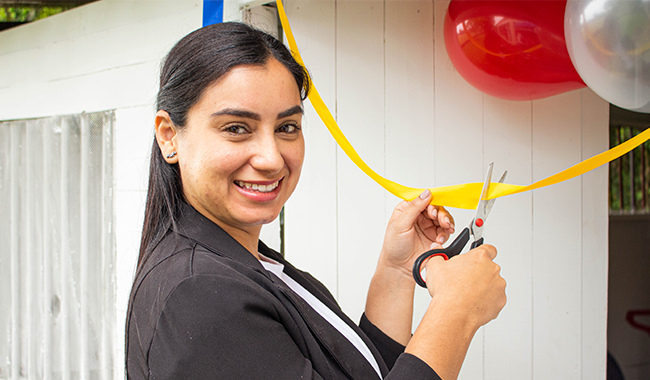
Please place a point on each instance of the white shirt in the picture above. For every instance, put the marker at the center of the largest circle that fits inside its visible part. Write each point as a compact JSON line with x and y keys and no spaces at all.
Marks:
{"x":278,"y":269}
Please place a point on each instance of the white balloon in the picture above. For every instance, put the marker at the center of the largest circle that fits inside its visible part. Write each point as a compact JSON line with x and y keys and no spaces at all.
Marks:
{"x":609,"y":45}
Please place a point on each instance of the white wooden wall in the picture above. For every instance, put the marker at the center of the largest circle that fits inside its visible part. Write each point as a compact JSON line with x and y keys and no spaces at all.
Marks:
{"x":411,"y":117}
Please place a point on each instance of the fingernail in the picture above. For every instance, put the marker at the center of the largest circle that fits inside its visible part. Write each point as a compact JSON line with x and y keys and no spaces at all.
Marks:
{"x":434,"y":213}
{"x":435,"y":245}
{"x":451,"y":225}
{"x":441,"y":240}
{"x":425,"y":194}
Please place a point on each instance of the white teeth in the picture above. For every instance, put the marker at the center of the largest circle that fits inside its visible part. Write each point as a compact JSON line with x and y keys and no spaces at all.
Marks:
{"x":256,"y":187}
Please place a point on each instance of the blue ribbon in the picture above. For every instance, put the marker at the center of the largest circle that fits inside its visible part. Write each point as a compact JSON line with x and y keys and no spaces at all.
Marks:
{"x":212,"y":12}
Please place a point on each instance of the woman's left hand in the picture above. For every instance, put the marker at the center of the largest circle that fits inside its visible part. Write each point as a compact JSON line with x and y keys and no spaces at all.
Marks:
{"x":414,"y":228}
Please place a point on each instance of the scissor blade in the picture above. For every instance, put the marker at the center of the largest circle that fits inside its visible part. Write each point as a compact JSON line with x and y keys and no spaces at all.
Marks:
{"x":486,"y":187}
{"x":490,"y":203}
{"x":483,"y":208}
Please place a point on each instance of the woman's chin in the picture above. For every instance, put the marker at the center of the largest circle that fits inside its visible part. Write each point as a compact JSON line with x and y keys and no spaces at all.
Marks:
{"x":260,"y":218}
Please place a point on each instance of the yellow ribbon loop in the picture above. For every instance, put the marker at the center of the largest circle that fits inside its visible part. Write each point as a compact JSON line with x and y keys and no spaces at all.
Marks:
{"x":458,"y":196}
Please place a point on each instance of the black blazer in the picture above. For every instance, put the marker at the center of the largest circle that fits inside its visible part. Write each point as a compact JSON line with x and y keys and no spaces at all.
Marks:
{"x":202,"y":307}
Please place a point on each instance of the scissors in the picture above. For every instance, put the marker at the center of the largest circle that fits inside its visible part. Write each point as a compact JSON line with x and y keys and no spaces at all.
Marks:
{"x":475,"y":229}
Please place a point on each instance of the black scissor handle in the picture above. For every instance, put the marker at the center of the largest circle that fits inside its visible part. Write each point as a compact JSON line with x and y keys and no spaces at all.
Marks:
{"x":454,"y":249}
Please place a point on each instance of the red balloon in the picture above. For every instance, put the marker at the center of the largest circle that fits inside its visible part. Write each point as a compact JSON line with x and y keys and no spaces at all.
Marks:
{"x":511,"y":49}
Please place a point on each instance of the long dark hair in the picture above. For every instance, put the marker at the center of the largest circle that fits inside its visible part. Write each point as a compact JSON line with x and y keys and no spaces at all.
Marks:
{"x":195,"y":62}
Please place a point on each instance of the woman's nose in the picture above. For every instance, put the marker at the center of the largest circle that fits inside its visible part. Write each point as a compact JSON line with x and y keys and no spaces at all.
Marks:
{"x":267,"y":156}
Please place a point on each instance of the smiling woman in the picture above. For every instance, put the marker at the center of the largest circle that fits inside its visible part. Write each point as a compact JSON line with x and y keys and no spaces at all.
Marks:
{"x":212,"y":301}
{"x":242,"y":149}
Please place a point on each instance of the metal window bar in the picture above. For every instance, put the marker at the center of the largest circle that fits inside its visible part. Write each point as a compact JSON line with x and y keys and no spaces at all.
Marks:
{"x":629,"y":186}
{"x":57,"y":248}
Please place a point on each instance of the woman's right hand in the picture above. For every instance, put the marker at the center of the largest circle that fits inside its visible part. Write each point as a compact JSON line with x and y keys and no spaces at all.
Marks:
{"x":467,"y":292}
{"x":471,"y":282}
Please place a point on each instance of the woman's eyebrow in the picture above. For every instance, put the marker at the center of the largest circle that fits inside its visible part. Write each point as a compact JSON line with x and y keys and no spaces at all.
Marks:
{"x":291,"y":111}
{"x":252,"y":115}
{"x":237,"y":112}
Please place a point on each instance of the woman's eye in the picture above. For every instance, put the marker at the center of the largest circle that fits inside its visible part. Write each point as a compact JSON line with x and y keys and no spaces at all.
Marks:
{"x":236,"y":129}
{"x":289,"y":128}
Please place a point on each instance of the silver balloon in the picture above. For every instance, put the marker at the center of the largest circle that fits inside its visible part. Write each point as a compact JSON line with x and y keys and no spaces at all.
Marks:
{"x":609,"y":45}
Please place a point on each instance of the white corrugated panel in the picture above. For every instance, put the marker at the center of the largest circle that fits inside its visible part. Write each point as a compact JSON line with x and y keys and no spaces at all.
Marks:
{"x":57,"y":248}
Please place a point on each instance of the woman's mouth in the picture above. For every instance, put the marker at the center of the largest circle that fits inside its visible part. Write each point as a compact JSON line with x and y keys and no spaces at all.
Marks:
{"x":262,"y":188}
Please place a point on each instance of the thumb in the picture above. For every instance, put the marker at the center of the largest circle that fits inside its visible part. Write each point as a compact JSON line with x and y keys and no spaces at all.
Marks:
{"x":433,"y":265}
{"x":411,"y":210}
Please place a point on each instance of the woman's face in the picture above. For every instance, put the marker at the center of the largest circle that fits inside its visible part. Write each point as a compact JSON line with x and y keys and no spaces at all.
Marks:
{"x":242,"y":149}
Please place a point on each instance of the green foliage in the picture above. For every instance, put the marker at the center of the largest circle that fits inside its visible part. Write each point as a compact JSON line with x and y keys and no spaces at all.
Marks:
{"x":27,"y":14}
{"x":629,"y":175}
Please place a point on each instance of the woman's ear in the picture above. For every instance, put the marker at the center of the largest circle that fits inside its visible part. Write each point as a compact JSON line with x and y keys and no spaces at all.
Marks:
{"x":166,"y":135}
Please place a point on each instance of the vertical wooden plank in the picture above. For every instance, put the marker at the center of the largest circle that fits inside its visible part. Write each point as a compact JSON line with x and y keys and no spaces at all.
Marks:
{"x":65,"y":275}
{"x":458,"y":118}
{"x":557,"y":233}
{"x":54,"y":245}
{"x":360,"y":105}
{"x":409,"y":104}
{"x":84,"y":288}
{"x":32,"y":235}
{"x":47,"y":249}
{"x":595,"y":139}
{"x":27,"y":272}
{"x":310,"y":213}
{"x":458,"y":145}
{"x":5,"y":248}
{"x":508,"y":339}
{"x":107,"y":360}
{"x":409,"y":93}
{"x":14,"y":261}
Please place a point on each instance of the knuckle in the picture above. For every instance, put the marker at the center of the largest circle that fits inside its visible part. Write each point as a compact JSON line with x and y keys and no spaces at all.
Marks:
{"x":490,"y":249}
{"x":484,"y":255}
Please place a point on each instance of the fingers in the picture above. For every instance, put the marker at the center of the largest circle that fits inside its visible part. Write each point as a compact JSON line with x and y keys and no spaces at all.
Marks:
{"x":432,"y":211}
{"x":441,"y":217}
{"x":443,"y":222}
{"x":407,"y":212}
{"x":445,"y":219}
{"x":442,"y":235}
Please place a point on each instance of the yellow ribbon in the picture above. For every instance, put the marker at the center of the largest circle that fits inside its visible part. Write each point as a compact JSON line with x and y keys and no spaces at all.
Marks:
{"x":460,"y":196}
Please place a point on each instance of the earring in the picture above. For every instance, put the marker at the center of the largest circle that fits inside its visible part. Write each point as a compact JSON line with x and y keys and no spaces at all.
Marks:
{"x":171,"y":155}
